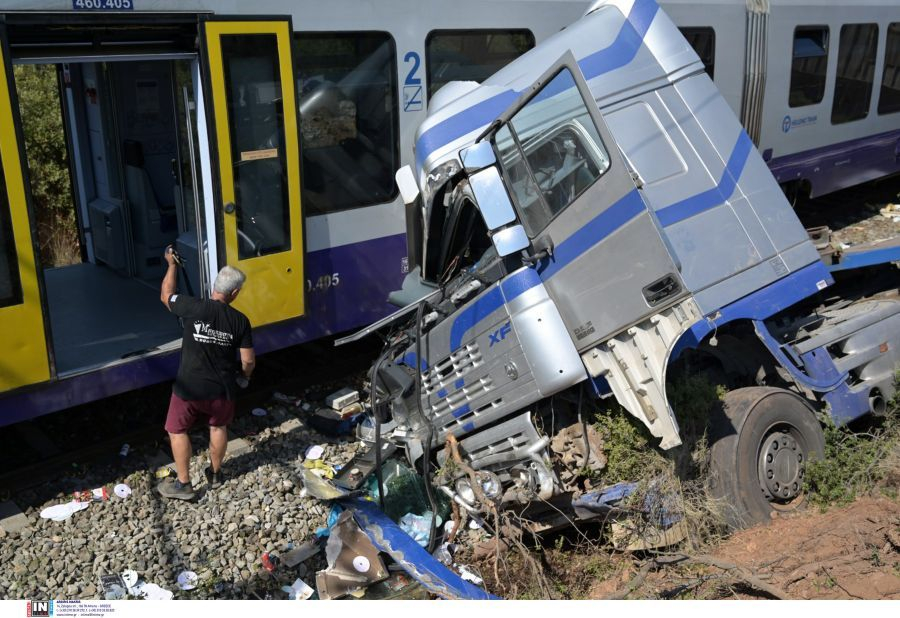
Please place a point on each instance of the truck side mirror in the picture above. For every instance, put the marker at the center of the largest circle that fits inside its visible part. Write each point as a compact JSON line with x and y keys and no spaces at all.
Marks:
{"x":406,"y":182}
{"x":477,"y":157}
{"x":510,"y":240}
{"x":492,"y":198}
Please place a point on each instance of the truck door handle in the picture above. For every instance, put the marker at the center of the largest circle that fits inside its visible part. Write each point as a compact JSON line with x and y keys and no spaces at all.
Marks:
{"x":661,"y":289}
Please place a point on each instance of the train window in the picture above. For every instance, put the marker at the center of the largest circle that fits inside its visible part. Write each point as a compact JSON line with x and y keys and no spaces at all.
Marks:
{"x":471,"y":55}
{"x":855,"y":72}
{"x":889,"y":99}
{"x":548,"y":158}
{"x":810,"y":59}
{"x":256,"y":125}
{"x":703,"y":40}
{"x":349,"y":125}
{"x":10,"y":286}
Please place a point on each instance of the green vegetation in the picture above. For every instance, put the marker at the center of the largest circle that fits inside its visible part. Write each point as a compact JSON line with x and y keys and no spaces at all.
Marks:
{"x":856,"y":463}
{"x":48,"y":164}
{"x":629,"y":455}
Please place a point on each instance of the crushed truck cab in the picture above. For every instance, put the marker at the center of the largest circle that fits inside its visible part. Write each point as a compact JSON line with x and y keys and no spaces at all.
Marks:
{"x":578,"y":221}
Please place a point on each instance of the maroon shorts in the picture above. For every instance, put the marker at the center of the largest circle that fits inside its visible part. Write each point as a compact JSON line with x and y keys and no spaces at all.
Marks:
{"x":183,"y":414}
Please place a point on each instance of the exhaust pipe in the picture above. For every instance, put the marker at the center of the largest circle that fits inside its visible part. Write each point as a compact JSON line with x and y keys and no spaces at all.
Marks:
{"x":876,"y":403}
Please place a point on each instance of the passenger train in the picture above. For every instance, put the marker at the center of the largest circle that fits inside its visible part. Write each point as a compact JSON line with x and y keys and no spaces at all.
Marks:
{"x":266,"y":135}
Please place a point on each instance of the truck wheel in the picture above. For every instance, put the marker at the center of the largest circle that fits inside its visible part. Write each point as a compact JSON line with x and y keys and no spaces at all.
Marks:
{"x":762,"y":439}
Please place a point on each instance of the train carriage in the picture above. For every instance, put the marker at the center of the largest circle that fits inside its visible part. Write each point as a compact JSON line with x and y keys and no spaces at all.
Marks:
{"x":263,"y":135}
{"x":266,"y":135}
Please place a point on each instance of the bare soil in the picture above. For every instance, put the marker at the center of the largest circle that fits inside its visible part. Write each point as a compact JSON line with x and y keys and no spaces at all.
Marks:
{"x":845,"y":553}
{"x":851,"y":552}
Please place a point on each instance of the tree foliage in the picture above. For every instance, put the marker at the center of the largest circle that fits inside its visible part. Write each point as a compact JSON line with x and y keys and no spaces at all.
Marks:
{"x":48,"y":163}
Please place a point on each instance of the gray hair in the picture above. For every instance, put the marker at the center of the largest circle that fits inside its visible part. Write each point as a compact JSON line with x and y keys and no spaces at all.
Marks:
{"x":228,"y":280}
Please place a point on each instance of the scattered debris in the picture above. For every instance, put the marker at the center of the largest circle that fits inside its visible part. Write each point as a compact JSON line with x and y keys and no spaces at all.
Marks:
{"x":315,"y":452}
{"x":399,"y":586}
{"x":92,"y":495}
{"x":301,"y":554}
{"x":281,"y":397}
{"x":142,"y":590}
{"x":130,"y":579}
{"x":418,"y":526}
{"x":891,"y":211}
{"x":468,"y":574}
{"x":298,"y":591}
{"x":62,"y":512}
{"x":152,"y":592}
{"x":332,"y":423}
{"x":259,"y":412}
{"x":320,"y":488}
{"x":270,"y":561}
{"x":187,"y":580}
{"x":122,"y":490}
{"x":342,"y":398}
{"x":113,"y":587}
{"x":353,"y":562}
{"x":414,"y":559}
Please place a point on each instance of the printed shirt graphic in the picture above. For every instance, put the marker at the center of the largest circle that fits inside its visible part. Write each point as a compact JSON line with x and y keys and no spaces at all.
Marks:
{"x":213,"y":333}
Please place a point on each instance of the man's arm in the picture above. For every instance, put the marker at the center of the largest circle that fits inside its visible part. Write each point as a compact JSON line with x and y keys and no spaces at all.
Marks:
{"x":248,"y":361}
{"x":170,"y":280}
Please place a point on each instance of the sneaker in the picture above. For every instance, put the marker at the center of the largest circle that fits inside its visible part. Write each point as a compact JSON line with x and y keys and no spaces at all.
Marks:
{"x":168,"y":488}
{"x":214,"y":479}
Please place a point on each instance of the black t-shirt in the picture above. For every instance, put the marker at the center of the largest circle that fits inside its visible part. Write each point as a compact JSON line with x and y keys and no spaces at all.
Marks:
{"x":213,"y":332}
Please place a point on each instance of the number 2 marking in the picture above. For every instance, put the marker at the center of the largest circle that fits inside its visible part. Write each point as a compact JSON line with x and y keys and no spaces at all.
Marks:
{"x":411,"y":79}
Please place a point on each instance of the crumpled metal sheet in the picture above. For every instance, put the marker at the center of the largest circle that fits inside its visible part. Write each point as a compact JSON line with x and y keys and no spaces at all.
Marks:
{"x":422,"y":566}
{"x":353,"y":562}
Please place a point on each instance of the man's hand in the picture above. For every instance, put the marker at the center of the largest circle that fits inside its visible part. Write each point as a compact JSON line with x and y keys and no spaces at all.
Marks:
{"x":170,"y":280}
{"x":170,"y":255}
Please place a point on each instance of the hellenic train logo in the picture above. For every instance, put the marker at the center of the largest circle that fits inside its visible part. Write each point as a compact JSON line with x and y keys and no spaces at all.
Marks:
{"x":786,"y":124}
{"x":40,"y":608}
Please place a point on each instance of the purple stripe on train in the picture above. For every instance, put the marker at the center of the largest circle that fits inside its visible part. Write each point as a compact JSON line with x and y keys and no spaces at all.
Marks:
{"x":843,"y":165}
{"x":366,"y":273}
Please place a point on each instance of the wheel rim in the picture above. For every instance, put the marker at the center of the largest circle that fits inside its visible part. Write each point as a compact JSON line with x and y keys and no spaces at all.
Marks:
{"x":781,"y":463}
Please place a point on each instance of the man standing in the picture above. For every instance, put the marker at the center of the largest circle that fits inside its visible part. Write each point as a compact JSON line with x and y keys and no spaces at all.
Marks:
{"x":205,"y":386}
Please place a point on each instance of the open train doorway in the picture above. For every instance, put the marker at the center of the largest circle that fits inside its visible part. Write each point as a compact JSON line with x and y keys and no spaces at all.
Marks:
{"x":128,"y":186}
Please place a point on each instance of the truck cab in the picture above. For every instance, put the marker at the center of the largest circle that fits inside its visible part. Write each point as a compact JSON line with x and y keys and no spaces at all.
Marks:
{"x":579,"y":220}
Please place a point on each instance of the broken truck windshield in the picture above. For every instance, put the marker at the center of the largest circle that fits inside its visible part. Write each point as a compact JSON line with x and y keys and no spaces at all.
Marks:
{"x":550,"y":152}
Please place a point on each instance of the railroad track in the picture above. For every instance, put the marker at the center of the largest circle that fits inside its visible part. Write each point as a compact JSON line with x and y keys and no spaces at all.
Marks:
{"x":40,"y":450}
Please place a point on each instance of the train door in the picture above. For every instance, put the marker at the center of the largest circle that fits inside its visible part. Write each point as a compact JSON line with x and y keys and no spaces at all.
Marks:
{"x":251,"y":89}
{"x":25,"y":359}
{"x":106,"y":112}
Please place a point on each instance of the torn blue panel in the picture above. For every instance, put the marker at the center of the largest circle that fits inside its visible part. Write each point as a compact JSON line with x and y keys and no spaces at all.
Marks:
{"x":389,"y":538}
{"x":661,"y":507}
{"x":602,"y":501}
{"x":333,"y":515}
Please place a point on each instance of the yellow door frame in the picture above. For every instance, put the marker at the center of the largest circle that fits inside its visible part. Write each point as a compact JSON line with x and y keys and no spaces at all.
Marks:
{"x":25,"y":359}
{"x":275,"y":283}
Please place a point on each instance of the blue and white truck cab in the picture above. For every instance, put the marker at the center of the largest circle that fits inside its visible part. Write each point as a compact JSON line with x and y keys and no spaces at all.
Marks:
{"x":579,"y":221}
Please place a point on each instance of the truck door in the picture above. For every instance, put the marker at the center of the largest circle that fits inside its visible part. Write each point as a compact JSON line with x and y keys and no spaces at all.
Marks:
{"x":24,"y":360}
{"x":604,"y":261}
{"x":251,"y":86}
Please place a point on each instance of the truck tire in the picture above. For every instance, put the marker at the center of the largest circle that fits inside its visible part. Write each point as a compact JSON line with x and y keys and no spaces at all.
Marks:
{"x":762,"y":438}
